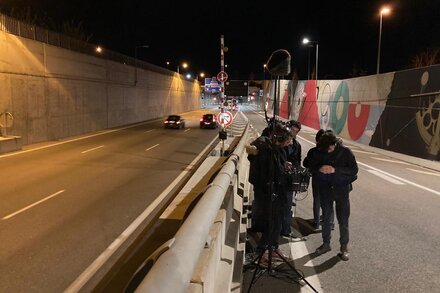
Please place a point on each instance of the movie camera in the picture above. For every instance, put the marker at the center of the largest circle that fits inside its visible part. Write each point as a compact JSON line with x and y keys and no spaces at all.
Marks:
{"x":299,"y":178}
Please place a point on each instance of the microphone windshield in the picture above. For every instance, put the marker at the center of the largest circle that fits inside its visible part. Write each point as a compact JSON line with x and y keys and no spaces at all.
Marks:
{"x":279,"y":62}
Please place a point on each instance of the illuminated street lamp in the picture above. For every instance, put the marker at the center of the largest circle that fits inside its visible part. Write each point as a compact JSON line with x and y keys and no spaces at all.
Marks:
{"x":305,"y":42}
{"x":136,"y":61}
{"x":383,"y":11}
{"x":201,"y":74}
{"x":264,"y":71}
{"x":184,"y":65}
{"x":98,"y":49}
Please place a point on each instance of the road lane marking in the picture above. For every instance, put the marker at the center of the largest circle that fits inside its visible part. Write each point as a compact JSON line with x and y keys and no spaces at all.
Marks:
{"x":187,"y":130}
{"x":101,"y":146}
{"x":299,"y":249}
{"x":32,"y":205}
{"x":70,"y":140}
{"x":311,"y":142}
{"x":391,"y":161}
{"x":386,"y":177}
{"x":152,"y":147}
{"x":423,"y":172}
{"x":149,"y":130}
{"x":110,"y":250}
{"x":401,"y":179}
{"x":363,"y":152}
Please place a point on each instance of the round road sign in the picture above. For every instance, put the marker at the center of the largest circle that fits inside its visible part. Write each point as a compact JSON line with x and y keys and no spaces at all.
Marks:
{"x":222,"y":76}
{"x":225,"y":118}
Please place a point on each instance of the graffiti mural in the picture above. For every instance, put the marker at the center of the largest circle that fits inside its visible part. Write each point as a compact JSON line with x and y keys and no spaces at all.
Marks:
{"x":397,"y":111}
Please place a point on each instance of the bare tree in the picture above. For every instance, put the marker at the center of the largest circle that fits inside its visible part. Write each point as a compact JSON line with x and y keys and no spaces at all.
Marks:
{"x":426,"y":58}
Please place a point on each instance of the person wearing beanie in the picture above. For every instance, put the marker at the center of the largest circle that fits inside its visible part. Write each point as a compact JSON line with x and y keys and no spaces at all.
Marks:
{"x":333,"y":169}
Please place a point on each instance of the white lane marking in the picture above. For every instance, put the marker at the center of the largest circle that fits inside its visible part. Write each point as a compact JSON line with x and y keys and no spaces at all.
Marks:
{"x":311,"y":142}
{"x":108,"y":252}
{"x":423,"y":172}
{"x":385,"y":177}
{"x":391,"y":161}
{"x":149,"y":130}
{"x":187,"y":130}
{"x":401,"y":179}
{"x":299,"y":249}
{"x":32,"y":205}
{"x":152,"y":147}
{"x":67,"y":141}
{"x":83,"y":152}
{"x":363,"y":152}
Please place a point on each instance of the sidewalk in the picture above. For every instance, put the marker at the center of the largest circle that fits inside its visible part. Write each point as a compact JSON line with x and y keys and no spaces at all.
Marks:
{"x":302,"y":252}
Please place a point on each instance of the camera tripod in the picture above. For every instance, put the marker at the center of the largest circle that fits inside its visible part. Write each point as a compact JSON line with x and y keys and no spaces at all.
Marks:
{"x":270,"y":251}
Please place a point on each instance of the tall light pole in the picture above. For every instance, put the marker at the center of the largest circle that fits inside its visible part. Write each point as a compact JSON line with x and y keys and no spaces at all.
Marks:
{"x":305,"y":42}
{"x":136,"y":61}
{"x":184,"y":65}
{"x":264,"y":71}
{"x":384,"y":10}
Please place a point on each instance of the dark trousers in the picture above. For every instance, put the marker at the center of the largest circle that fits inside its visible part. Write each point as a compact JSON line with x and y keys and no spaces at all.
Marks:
{"x":339,"y":196}
{"x":317,"y":206}
{"x":287,"y":214}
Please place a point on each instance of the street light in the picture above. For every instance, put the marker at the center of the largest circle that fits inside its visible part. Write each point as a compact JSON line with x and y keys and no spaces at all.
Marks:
{"x":201,"y":74}
{"x":264,"y":71}
{"x":305,"y":42}
{"x":184,"y":65}
{"x":383,"y":11}
{"x":98,"y":49}
{"x":136,"y":61}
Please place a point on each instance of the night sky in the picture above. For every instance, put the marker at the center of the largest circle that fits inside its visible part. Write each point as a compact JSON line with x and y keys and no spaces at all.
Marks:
{"x":347,"y":31}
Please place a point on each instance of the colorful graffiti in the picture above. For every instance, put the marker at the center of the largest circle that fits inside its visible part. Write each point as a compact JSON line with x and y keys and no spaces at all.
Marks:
{"x":398,"y":111}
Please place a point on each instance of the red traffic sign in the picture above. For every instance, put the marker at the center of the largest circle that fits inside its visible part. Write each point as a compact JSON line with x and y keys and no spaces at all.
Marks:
{"x":225,"y":118}
{"x":222,"y":76}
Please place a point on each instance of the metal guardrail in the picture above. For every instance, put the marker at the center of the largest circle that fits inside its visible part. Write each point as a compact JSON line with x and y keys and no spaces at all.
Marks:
{"x":19,"y":28}
{"x":174,"y":268}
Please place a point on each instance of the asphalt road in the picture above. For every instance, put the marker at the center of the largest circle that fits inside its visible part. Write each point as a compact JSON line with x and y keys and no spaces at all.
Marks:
{"x":63,"y":203}
{"x":394,"y":230}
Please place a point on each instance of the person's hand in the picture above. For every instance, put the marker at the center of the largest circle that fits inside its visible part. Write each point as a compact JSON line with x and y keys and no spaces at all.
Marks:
{"x":251,"y":149}
{"x":327,"y":169}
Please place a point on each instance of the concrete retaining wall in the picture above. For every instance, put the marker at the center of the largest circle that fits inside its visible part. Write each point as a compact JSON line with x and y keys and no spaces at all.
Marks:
{"x":54,"y":93}
{"x":396,"y":111}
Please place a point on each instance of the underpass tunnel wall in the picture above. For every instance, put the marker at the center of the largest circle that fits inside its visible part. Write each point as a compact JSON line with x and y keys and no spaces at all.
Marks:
{"x":54,"y":93}
{"x":396,"y":111}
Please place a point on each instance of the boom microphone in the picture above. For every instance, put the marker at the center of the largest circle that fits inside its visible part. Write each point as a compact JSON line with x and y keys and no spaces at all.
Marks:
{"x":278,"y":63}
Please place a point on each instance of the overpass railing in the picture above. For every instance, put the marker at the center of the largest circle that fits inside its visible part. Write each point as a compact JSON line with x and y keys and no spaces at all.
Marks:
{"x":202,"y":255}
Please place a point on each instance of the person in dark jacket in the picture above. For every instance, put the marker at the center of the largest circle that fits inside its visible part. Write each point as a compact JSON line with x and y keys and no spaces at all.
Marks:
{"x":293,"y":152}
{"x":316,"y":201}
{"x":334,"y":168}
{"x":269,"y":182}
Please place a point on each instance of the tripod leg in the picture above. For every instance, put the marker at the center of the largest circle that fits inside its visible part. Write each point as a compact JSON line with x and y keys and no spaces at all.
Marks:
{"x":256,"y":261}
{"x":301,"y":276}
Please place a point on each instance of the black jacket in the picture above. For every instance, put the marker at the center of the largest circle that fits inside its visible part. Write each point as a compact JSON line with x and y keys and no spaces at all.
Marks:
{"x":309,"y":156}
{"x":344,"y":162}
{"x":293,"y":152}
{"x":267,"y":166}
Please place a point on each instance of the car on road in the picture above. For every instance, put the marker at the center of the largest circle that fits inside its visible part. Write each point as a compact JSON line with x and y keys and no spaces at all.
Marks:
{"x":208,"y":121}
{"x":174,"y":121}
